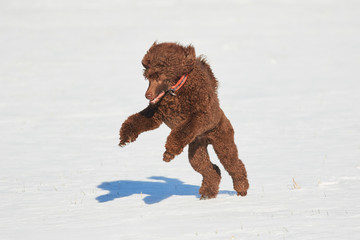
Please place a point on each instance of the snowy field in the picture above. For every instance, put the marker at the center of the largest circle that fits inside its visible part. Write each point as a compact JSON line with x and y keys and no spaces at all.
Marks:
{"x":70,"y":74}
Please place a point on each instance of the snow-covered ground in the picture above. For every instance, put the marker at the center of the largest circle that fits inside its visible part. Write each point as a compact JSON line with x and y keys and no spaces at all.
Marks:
{"x":70,"y":74}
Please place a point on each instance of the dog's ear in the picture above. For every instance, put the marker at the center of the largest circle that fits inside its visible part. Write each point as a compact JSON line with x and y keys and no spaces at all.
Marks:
{"x":154,"y":44}
{"x":190,"y":57}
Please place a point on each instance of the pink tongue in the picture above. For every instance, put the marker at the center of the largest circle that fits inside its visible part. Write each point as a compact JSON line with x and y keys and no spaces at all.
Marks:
{"x":157,"y":98}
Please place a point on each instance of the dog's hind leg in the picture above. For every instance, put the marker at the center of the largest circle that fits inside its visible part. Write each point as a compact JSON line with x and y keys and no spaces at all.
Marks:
{"x":222,"y":139}
{"x":200,"y":161}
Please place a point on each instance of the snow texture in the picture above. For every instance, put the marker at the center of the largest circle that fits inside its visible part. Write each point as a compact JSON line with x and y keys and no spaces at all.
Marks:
{"x":70,"y":74}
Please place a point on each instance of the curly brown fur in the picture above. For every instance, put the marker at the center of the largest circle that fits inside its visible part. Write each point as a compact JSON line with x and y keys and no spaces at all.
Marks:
{"x":193,"y":115}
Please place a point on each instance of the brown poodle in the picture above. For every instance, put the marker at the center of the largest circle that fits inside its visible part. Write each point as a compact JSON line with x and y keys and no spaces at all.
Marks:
{"x":183,"y":94}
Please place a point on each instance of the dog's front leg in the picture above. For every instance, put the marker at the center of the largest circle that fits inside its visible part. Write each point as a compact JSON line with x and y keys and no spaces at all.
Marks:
{"x":180,"y":137}
{"x":146,"y":120}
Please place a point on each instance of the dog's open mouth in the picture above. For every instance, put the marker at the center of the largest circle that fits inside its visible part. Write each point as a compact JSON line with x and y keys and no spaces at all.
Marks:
{"x":157,"y":99}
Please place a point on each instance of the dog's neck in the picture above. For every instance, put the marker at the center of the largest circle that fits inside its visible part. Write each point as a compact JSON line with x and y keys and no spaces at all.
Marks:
{"x":178,"y":85}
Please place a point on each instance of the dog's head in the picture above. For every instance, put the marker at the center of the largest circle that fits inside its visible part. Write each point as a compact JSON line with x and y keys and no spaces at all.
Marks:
{"x":164,"y":64}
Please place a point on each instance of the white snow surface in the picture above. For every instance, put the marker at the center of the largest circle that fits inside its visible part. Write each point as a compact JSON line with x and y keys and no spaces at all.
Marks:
{"x":70,"y":74}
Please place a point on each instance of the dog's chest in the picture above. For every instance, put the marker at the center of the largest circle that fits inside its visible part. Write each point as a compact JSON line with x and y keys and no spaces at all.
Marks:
{"x":174,"y":113}
{"x":172,"y":121}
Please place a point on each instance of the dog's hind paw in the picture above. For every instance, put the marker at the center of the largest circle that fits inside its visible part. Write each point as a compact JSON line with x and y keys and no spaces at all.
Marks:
{"x":243,"y":194}
{"x":207,"y":197}
{"x":204,"y":197}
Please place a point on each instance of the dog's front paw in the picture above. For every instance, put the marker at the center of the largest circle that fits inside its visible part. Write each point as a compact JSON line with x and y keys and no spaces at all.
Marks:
{"x":126,"y":140}
{"x":123,"y":143}
{"x":167,"y":157}
{"x":127,"y":135}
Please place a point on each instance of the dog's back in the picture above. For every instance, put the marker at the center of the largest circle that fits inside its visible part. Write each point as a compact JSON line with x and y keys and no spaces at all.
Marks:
{"x":205,"y":67}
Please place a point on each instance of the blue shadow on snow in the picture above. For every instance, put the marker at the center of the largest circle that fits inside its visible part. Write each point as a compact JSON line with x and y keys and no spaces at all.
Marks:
{"x":154,"y":191}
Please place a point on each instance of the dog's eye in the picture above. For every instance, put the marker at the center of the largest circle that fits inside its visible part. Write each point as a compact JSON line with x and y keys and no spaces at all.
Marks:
{"x":154,"y":75}
{"x":161,"y":65}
